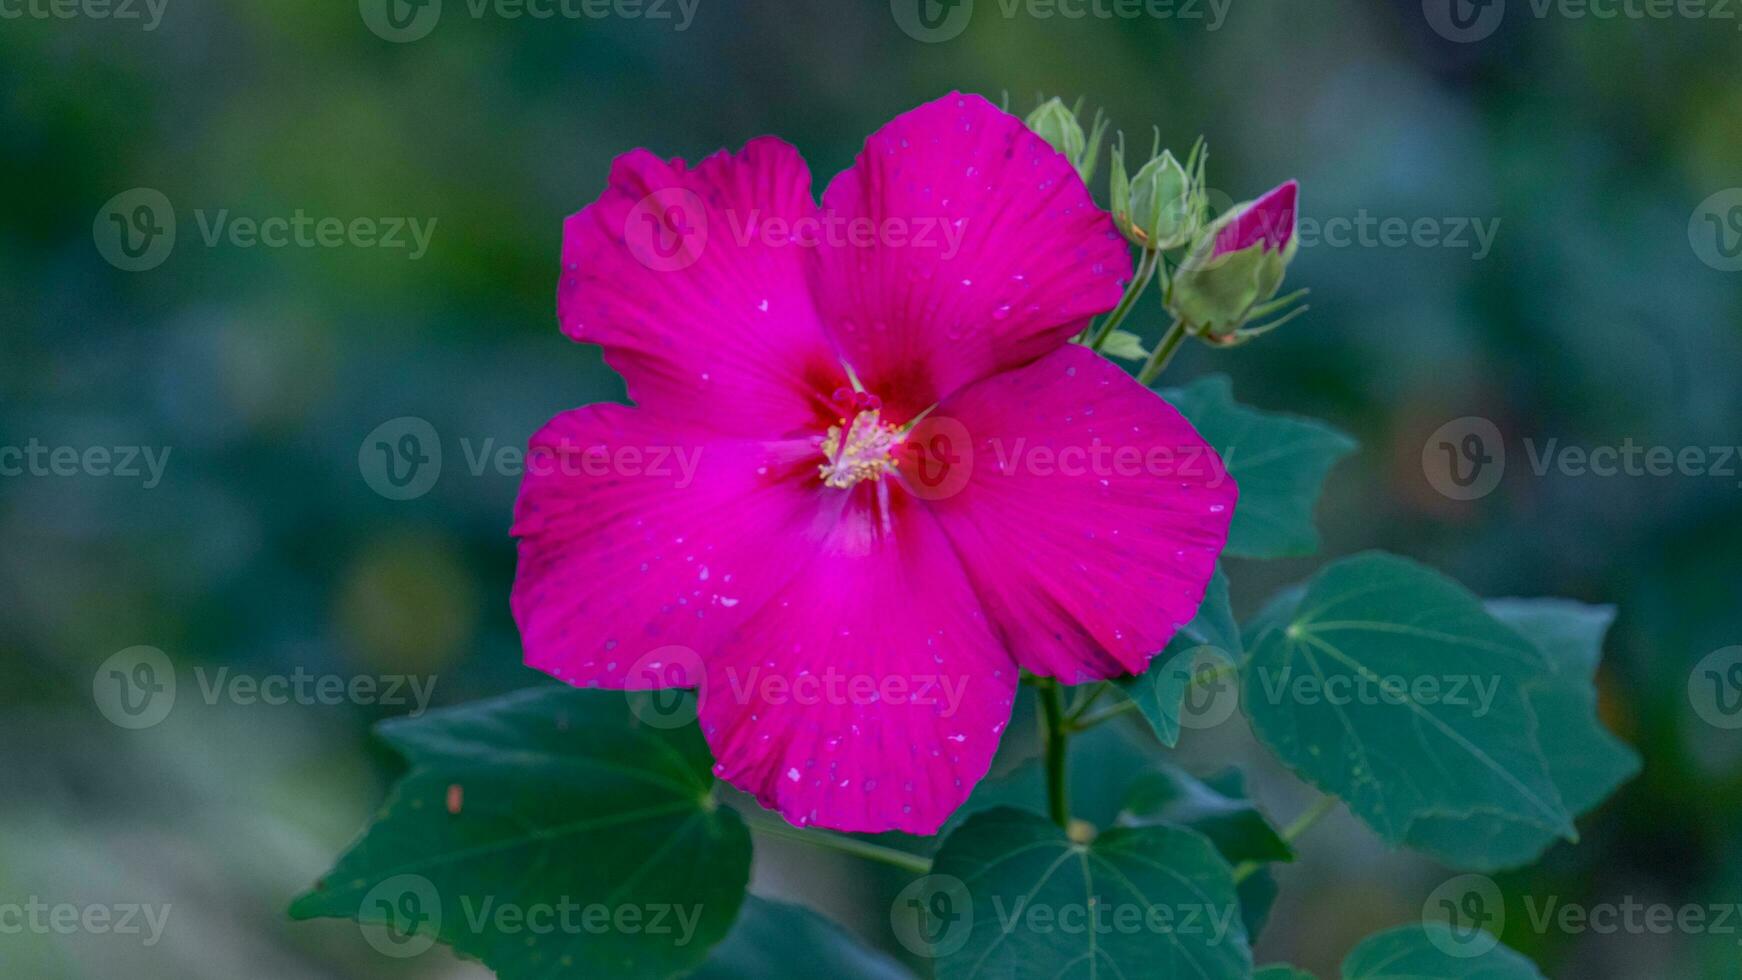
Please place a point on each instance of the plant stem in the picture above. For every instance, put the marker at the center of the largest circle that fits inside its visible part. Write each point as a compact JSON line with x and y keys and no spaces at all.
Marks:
{"x":1146,"y":266}
{"x":1057,"y":736}
{"x":845,"y":845}
{"x":1164,"y":352}
{"x":1290,"y":833}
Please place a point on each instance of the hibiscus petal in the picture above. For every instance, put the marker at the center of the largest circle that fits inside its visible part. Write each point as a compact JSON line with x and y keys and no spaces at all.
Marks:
{"x":967,"y":245}
{"x":870,"y":694}
{"x":1092,"y":516}
{"x":705,"y":312}
{"x":641,"y":546}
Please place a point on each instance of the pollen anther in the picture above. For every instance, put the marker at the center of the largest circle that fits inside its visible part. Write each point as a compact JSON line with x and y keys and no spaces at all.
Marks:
{"x":858,"y":450}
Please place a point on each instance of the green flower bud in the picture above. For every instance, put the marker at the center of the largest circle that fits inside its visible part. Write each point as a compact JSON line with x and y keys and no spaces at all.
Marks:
{"x":1057,"y":123}
{"x":1163,"y":205}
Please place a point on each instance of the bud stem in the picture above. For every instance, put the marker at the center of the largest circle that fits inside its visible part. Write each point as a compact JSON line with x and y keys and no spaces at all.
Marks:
{"x":1164,"y":352}
{"x":1146,"y":266}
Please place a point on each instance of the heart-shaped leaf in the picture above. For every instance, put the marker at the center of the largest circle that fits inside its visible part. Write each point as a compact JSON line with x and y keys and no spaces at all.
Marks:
{"x":770,"y":937}
{"x":1430,"y":951}
{"x":1028,"y":902}
{"x":546,"y":833}
{"x":1390,"y":686}
{"x":1218,"y":808}
{"x":1584,"y":760}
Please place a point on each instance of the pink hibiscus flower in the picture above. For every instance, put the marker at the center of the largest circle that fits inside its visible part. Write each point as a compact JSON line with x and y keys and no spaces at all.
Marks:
{"x":867,"y":480}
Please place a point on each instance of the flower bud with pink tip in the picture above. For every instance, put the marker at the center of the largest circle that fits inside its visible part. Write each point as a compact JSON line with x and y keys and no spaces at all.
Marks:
{"x":1234,"y":270}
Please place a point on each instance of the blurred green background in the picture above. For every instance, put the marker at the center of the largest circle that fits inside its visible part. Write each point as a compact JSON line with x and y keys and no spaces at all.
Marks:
{"x":1598,"y":315}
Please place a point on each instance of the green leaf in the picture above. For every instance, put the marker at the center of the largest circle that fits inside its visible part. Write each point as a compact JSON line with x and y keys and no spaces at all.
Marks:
{"x":770,"y":937}
{"x":1161,"y":900}
{"x":1391,"y":687}
{"x":1432,"y":952}
{"x":1281,"y":971}
{"x":1125,"y":344}
{"x":1209,"y":642}
{"x":1279,"y":462}
{"x":1218,"y":808}
{"x":1585,"y":761}
{"x":1276,"y":612}
{"x":546,"y":832}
